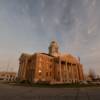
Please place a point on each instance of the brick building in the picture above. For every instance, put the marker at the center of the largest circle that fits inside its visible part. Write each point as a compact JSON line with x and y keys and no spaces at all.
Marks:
{"x":53,"y":67}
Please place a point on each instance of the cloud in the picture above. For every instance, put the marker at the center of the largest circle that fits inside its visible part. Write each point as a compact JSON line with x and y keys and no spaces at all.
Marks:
{"x":30,"y":25}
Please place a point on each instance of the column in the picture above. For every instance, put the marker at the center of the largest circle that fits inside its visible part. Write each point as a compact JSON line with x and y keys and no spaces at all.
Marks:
{"x":60,"y":70}
{"x":72,"y":72}
{"x":77,"y":72}
{"x":81,"y":72}
{"x":67,"y":73}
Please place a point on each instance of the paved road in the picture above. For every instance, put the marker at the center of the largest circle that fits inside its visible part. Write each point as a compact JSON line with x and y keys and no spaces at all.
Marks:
{"x":9,"y":92}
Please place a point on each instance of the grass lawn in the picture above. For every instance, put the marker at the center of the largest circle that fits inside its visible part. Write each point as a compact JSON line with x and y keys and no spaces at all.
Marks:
{"x":56,"y":85}
{"x":64,"y":85}
{"x":42,"y":85}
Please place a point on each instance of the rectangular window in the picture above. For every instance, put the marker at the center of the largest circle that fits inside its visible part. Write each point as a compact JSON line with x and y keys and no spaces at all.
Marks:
{"x":58,"y":73}
{"x":50,"y":60}
{"x":50,"y":73}
{"x":50,"y":66}
{"x":47,"y":74}
{"x":63,"y":62}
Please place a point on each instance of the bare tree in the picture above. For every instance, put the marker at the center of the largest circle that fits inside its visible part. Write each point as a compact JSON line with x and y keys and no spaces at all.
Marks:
{"x":92,"y":74}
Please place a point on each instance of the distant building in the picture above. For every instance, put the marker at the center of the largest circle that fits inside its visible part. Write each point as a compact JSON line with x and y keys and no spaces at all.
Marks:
{"x":53,"y":67}
{"x":10,"y":76}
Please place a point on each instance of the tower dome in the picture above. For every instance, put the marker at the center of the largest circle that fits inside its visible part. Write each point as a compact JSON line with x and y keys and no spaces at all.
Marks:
{"x":53,"y":48}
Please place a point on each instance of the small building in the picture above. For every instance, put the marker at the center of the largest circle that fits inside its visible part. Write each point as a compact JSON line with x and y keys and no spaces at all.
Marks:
{"x":52,"y":67}
{"x":10,"y":76}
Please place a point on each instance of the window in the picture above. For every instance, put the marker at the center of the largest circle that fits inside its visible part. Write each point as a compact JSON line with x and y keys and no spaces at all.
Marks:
{"x":50,"y":60}
{"x":56,"y":61}
{"x":68,"y":67}
{"x":63,"y":62}
{"x":10,"y":75}
{"x":50,"y":66}
{"x":73,"y":64}
{"x":2,"y":74}
{"x":68,"y":64}
{"x":47,"y":74}
{"x":50,"y":73}
{"x":58,"y":73}
{"x":39,"y":74}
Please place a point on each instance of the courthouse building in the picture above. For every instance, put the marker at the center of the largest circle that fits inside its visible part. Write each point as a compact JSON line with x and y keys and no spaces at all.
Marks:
{"x":52,"y":67}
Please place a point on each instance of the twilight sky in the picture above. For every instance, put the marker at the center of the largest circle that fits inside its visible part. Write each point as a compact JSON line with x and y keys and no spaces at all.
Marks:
{"x":29,"y":26}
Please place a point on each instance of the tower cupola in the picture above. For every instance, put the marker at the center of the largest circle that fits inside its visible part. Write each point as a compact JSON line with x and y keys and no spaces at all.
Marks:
{"x":53,"y":48}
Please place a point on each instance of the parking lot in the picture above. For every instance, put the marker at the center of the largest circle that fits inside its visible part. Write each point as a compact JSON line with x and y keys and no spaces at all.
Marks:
{"x":11,"y":92}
